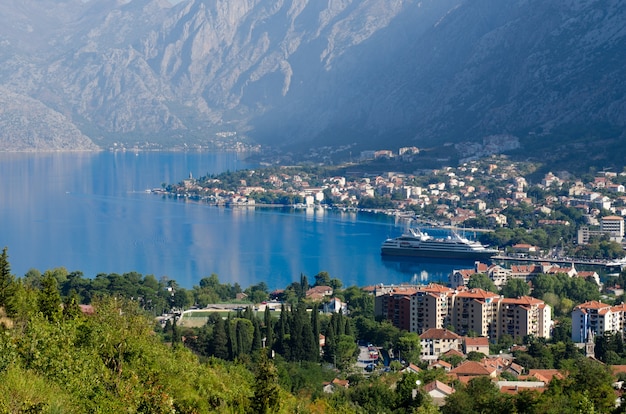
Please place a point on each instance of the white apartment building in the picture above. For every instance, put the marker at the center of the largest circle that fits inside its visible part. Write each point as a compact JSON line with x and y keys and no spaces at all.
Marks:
{"x":614,"y":226}
{"x":596,"y":318}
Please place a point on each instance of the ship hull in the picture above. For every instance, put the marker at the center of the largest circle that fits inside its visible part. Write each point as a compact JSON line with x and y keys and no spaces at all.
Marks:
{"x":438,"y":254}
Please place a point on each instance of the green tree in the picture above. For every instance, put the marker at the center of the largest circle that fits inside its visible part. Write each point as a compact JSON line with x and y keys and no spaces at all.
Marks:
{"x":515,"y":288}
{"x":409,"y":347}
{"x":322,"y":279}
{"x":50,"y":298}
{"x":266,"y":397}
{"x":219,"y":344}
{"x":7,"y":280}
{"x":407,"y":392}
{"x":482,"y":281}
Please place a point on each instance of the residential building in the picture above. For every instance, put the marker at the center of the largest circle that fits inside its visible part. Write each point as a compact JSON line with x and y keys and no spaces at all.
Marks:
{"x":477,"y":344}
{"x":436,"y":342}
{"x":422,"y":308}
{"x":523,"y":316}
{"x":595,"y":318}
{"x":613,"y":226}
{"x":438,"y":391}
{"x":474,"y":311}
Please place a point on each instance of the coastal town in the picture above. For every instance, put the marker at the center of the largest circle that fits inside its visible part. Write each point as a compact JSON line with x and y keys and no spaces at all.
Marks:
{"x":557,"y":279}
{"x":488,"y":194}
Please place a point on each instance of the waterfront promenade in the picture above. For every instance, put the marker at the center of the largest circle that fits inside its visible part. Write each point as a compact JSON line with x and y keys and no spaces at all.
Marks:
{"x":557,"y":260}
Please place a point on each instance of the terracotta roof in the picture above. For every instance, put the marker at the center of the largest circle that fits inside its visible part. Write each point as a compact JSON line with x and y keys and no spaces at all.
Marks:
{"x":413,"y":367}
{"x":438,"y":385}
{"x":453,"y":352}
{"x":481,"y":267}
{"x":616,"y":218}
{"x":478,"y":341}
{"x":524,"y":300}
{"x":545,"y":375}
{"x":340,"y":383}
{"x":441,"y":363}
{"x":470,"y":368}
{"x":436,"y":333}
{"x":87,"y":309}
{"x":618,"y":369}
{"x":594,"y":304}
{"x":477,"y":294}
{"x":434,"y":287}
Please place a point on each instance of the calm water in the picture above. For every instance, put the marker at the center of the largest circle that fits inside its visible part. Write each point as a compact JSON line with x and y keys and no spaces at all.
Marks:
{"x":90,"y":212}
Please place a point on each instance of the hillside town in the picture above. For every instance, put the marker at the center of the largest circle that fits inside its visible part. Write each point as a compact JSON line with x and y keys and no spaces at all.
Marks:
{"x":547,"y":221}
{"x":486,"y":194}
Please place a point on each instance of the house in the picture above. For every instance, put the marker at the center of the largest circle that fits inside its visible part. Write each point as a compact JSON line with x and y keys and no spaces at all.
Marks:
{"x":525,"y":249}
{"x":438,"y":341}
{"x":335,"y":305}
{"x":412,"y":368}
{"x":473,"y":369}
{"x":545,"y":375}
{"x":319,"y":292}
{"x":329,"y":387}
{"x":440,"y":364}
{"x":513,"y":387}
{"x":590,"y":275}
{"x":478,"y":344}
{"x":438,"y":391}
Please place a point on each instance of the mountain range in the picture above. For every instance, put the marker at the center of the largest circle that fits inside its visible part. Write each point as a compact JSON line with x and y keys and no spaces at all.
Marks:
{"x":298,"y":74}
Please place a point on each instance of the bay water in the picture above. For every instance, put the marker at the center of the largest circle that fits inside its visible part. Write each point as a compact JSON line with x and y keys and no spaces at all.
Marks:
{"x":91,"y":212}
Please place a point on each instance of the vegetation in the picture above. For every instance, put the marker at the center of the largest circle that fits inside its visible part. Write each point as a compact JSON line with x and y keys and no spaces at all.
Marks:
{"x":57,"y":357}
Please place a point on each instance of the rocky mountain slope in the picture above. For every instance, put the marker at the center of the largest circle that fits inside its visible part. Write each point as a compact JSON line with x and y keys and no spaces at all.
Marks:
{"x":303,"y":73}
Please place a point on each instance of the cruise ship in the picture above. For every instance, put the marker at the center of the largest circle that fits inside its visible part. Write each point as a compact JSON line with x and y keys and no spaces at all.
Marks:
{"x":419,"y":244}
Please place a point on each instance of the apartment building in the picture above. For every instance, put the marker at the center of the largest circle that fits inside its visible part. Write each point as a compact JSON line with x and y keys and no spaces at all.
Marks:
{"x":474,"y":311}
{"x":595,"y":318}
{"x":613,"y":226}
{"x":468,"y":311}
{"x":519,"y":316}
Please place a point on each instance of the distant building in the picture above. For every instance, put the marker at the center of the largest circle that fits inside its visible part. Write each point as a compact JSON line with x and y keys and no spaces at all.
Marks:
{"x":420,"y":308}
{"x":436,"y":342}
{"x":596,"y":318}
{"x":613,"y":226}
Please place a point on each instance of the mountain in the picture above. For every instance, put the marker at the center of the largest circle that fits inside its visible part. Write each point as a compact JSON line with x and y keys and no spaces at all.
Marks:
{"x":298,"y":73}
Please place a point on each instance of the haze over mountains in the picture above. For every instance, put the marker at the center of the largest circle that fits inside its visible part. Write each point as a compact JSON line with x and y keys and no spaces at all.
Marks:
{"x":306,"y":73}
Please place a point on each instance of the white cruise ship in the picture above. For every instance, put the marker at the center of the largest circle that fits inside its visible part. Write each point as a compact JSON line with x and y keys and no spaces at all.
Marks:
{"x":419,"y":244}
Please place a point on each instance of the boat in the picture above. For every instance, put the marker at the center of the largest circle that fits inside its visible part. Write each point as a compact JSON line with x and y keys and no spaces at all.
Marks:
{"x":417,"y":243}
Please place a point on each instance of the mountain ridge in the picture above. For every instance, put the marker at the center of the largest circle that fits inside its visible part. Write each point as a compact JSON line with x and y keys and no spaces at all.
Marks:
{"x":298,"y":74}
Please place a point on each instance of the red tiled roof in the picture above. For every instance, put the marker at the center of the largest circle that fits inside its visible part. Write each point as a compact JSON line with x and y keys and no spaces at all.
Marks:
{"x":469,"y":368}
{"x":478,"y":341}
{"x":594,"y":304}
{"x":545,"y":375}
{"x":477,"y":294}
{"x":436,"y":333}
{"x":438,"y":385}
{"x":524,"y":300}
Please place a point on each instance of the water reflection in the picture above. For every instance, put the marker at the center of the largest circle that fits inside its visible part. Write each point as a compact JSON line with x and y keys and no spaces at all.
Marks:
{"x":425,"y":269}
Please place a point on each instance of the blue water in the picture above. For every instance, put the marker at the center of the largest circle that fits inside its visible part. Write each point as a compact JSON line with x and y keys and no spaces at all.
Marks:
{"x":90,"y":212}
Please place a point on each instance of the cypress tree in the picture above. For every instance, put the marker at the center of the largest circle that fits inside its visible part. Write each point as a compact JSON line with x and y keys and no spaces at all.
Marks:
{"x":315,"y":328}
{"x":219,"y":344}
{"x":230,"y":338}
{"x":269,"y":329}
{"x":304,"y":284}
{"x":176,"y":337}
{"x":257,"y":338}
{"x":6,"y":278}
